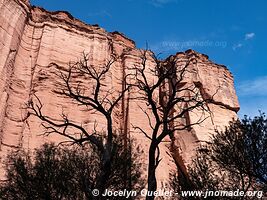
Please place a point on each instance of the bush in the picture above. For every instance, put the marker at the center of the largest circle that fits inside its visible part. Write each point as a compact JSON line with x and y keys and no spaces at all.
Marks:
{"x":54,"y":173}
{"x":234,"y":159}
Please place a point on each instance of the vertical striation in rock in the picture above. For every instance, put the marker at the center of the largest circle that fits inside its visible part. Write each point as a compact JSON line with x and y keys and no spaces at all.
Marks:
{"x":35,"y":43}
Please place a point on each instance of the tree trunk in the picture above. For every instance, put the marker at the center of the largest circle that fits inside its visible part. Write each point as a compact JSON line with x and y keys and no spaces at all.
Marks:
{"x":152,"y":181}
{"x":105,"y":170}
{"x":106,"y":160}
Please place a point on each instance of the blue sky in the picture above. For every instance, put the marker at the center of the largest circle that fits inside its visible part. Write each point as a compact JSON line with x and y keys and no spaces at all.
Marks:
{"x":231,"y":32}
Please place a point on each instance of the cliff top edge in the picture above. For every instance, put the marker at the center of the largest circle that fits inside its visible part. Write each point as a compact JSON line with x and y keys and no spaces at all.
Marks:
{"x":41,"y":15}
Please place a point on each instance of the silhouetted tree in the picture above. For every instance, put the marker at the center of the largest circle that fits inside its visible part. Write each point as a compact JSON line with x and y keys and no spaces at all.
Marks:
{"x":91,"y":92}
{"x":69,"y":173}
{"x":169,"y":97}
{"x":234,"y":159}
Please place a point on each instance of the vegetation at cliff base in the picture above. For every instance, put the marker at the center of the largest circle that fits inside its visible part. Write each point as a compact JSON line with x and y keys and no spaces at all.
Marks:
{"x":235,"y":159}
{"x":56,"y":172}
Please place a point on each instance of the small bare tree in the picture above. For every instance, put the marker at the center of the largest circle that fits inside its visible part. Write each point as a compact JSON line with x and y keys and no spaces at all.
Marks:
{"x":96,"y":97}
{"x":169,"y":99}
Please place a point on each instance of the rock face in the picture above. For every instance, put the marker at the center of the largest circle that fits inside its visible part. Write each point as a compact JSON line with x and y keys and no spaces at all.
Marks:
{"x":34,"y":43}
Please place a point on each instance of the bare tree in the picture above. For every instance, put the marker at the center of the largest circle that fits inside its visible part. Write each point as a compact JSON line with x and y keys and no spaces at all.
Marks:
{"x":169,"y":98}
{"x":96,"y":97}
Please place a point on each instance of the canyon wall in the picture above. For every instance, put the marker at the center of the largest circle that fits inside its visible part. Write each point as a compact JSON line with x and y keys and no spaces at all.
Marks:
{"x":35,"y":44}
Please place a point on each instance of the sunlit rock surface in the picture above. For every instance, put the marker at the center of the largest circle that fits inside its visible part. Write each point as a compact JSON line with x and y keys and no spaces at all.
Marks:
{"x":35,"y":43}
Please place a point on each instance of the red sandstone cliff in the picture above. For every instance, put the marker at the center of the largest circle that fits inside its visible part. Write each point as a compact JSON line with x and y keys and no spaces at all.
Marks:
{"x":32,"y":39}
